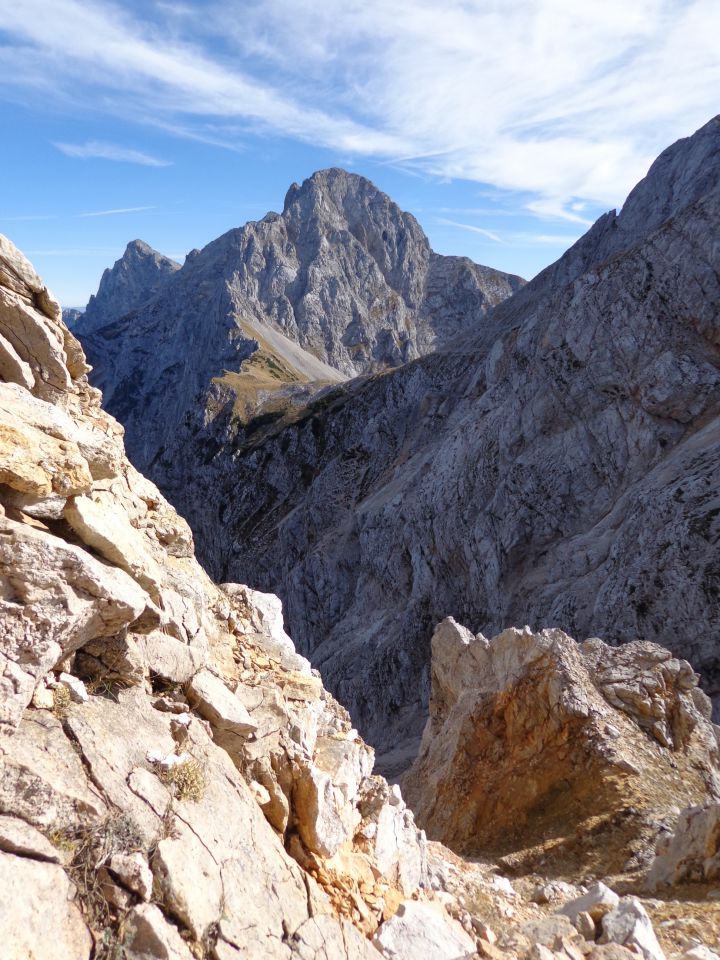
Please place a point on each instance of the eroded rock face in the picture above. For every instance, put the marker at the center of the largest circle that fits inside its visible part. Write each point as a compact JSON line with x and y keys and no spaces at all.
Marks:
{"x":134,"y":278}
{"x":530,"y":731}
{"x":161,"y":739}
{"x":557,"y":467}
{"x":341,"y":283}
{"x":691,"y":852}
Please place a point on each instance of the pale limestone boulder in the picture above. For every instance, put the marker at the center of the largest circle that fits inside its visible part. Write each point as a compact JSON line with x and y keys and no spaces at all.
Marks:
{"x":106,"y":733}
{"x":611,"y":951}
{"x":326,"y":792}
{"x":21,"y":838}
{"x":169,"y":657}
{"x":103,"y":525}
{"x":700,"y":953}
{"x":322,"y":938}
{"x":225,"y":713}
{"x":598,"y":901}
{"x":18,"y":275}
{"x":190,"y":879}
{"x":40,"y":920}
{"x":57,"y":598}
{"x":12,"y":368}
{"x":76,"y":688}
{"x":63,"y":448}
{"x":42,"y":778}
{"x":323,"y":820}
{"x":691,"y":852}
{"x":37,"y":340}
{"x":549,"y":931}
{"x":147,"y":935}
{"x":423,"y":930}
{"x":586,"y":926}
{"x":399,"y":849}
{"x":629,"y":925}
{"x":38,"y":456}
{"x":133,"y":872}
{"x":22,"y":288}
{"x":146,"y":785}
{"x":264,"y":612}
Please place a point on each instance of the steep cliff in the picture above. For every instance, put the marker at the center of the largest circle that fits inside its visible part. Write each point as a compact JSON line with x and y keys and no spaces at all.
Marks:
{"x":175,"y":781}
{"x":555,"y":468}
{"x":341,"y":283}
{"x":134,"y":278}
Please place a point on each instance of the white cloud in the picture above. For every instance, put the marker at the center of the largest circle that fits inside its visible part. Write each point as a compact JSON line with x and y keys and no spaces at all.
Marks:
{"x":110,"y":213}
{"x":471,"y":229}
{"x":566,"y":102}
{"x":97,"y":150}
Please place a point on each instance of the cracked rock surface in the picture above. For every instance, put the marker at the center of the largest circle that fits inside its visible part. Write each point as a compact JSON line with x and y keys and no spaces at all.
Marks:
{"x":175,"y":780}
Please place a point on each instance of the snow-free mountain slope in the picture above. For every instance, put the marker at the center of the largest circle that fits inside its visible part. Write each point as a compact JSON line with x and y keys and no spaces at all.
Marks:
{"x":557,"y":468}
{"x":133,"y":279}
{"x":342,"y":273}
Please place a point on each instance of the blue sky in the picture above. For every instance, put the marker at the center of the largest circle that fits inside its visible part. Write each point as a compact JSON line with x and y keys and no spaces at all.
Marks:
{"x":505,"y":126}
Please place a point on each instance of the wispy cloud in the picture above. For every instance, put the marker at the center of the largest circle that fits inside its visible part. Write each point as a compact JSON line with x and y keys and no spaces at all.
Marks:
{"x":471,"y":229}
{"x":566,"y":102}
{"x":97,"y":150}
{"x":515,"y":238}
{"x":111,"y":213}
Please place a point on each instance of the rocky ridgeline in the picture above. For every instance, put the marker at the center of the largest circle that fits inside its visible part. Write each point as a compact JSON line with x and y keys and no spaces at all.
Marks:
{"x":136,"y":277}
{"x":556,"y":467}
{"x":175,"y":780}
{"x":341,"y":283}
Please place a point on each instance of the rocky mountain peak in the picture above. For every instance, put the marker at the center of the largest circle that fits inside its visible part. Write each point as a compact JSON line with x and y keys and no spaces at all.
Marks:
{"x":133,"y":279}
{"x":342,"y":283}
{"x":334,"y":200}
{"x":683,"y":173}
{"x":334,"y":184}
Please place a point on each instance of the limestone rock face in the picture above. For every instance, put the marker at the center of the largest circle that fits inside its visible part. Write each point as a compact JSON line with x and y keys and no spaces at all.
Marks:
{"x":691,"y":852}
{"x":40,"y":920}
{"x":628,"y":924}
{"x":134,"y":278}
{"x":529,"y":732}
{"x":557,"y":467}
{"x":161,"y":739}
{"x":419,"y":930}
{"x":341,"y":283}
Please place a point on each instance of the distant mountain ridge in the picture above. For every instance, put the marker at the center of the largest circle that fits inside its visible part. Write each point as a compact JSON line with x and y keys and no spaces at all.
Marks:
{"x":341,"y":283}
{"x":134,"y":278}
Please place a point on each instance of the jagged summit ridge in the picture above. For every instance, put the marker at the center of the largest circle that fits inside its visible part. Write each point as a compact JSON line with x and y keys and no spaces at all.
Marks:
{"x":342,"y":275}
{"x":133,"y":279}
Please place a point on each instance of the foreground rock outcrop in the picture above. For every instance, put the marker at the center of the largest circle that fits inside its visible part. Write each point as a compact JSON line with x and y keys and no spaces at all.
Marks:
{"x":532,"y":736}
{"x":175,"y":780}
